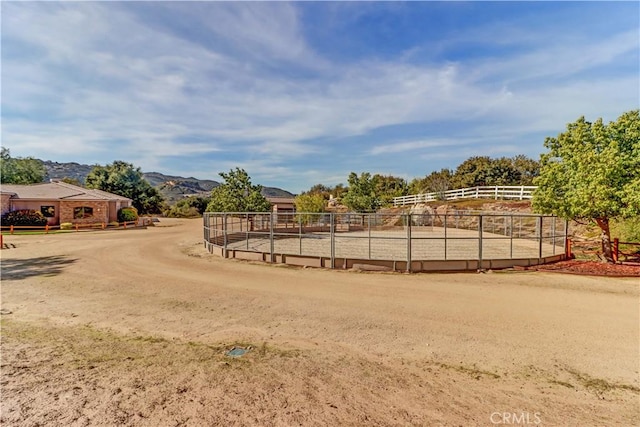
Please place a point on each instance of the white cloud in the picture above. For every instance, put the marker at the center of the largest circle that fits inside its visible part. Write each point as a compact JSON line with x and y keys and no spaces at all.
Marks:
{"x":413,"y":146}
{"x":242,"y":78}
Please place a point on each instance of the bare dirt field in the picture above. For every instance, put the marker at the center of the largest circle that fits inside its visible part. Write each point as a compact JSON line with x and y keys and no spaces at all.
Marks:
{"x":131,"y":328}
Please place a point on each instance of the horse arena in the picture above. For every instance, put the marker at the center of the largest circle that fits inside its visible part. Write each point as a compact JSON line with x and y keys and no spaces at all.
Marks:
{"x":401,"y":242}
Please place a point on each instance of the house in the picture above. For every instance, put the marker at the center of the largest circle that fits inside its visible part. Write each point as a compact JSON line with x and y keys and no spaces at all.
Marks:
{"x":284,"y":206}
{"x":60,"y":202}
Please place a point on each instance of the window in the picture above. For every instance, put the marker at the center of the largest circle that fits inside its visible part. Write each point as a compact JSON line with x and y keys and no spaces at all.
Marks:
{"x":48,"y":211}
{"x":82,"y":212}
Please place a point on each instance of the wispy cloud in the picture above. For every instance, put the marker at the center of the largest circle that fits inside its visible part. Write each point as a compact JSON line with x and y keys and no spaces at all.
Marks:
{"x":233,"y":84}
{"x":412,"y":146}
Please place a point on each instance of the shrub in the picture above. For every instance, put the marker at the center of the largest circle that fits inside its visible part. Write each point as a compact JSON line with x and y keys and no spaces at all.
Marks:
{"x":127,"y":214}
{"x":66,"y":226}
{"x":627,"y":230}
{"x":24,"y":217}
{"x":182,"y":211}
{"x":114,"y":224}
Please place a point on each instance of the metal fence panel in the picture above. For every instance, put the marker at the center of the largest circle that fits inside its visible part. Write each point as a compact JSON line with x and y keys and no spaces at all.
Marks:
{"x":393,"y":237}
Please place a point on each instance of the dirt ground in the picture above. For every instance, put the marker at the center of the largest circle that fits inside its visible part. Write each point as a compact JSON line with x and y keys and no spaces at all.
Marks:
{"x":131,"y":328}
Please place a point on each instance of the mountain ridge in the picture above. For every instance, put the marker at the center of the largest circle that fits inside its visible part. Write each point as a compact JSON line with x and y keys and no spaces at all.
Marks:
{"x":172,"y":187}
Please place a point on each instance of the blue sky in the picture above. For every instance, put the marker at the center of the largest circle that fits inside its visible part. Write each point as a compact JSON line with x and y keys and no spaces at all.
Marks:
{"x":304,"y":93}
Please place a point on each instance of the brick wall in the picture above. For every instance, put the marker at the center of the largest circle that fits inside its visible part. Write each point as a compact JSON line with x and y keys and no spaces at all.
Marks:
{"x":100,"y":212}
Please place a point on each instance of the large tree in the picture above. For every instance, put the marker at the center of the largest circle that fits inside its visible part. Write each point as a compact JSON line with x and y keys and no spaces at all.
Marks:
{"x":592,"y":172}
{"x":16,"y":170}
{"x":527,"y":169}
{"x":361,"y":195}
{"x":126,"y":180}
{"x":435,"y":182}
{"x":238,"y":194}
{"x":472,"y":172}
{"x":307,"y":205}
{"x":388,"y":186}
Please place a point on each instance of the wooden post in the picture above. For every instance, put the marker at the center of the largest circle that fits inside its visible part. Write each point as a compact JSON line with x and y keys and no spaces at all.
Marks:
{"x":125,"y":224}
{"x":46,"y":229}
{"x":616,"y":245}
{"x":76,"y":226}
{"x":11,"y":229}
{"x":104,"y":225}
{"x":568,"y":248}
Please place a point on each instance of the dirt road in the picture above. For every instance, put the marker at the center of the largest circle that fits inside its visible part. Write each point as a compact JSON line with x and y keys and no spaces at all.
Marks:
{"x":131,"y":328}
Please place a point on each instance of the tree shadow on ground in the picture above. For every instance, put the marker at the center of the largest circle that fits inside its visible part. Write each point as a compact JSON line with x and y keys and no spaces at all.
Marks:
{"x":17,"y":269}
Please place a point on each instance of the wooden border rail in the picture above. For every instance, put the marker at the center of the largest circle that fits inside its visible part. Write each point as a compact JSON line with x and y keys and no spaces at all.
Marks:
{"x":617,"y":252}
{"x":518,"y":192}
{"x":594,"y":247}
{"x":77,"y":227}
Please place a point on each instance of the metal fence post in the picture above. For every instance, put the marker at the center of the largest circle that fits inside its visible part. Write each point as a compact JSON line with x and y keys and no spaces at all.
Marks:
{"x":224,"y":234}
{"x":300,"y":233}
{"x":332,"y":232}
{"x":540,"y":240}
{"x":208,"y":228}
{"x":408,"y":243}
{"x":511,"y":238}
{"x":553,"y":233}
{"x":479,"y":241}
{"x":445,"y":236}
{"x":369,"y":228}
{"x":247,"y":227}
{"x":271,"y":257}
{"x":566,"y":237}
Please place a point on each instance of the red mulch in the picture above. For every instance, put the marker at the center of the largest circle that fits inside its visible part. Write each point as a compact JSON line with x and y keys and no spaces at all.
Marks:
{"x":593,"y":268}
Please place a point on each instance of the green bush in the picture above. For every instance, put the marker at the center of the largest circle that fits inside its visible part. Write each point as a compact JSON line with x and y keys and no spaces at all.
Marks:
{"x":181,"y":211}
{"x":627,"y":230}
{"x":127,"y":214}
{"x":24,"y":217}
{"x":66,"y":226}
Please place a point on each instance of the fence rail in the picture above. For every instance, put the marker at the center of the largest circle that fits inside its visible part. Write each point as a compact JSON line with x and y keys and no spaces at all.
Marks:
{"x":590,"y":249}
{"x":408,"y":239}
{"x":520,"y":192}
{"x":11,"y":229}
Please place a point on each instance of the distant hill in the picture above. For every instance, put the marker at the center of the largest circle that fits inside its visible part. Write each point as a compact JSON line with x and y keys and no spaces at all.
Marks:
{"x":72,"y":170}
{"x":172,"y":188}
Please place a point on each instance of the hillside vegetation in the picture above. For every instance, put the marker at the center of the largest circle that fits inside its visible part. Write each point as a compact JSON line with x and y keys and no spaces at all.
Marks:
{"x":172,"y":187}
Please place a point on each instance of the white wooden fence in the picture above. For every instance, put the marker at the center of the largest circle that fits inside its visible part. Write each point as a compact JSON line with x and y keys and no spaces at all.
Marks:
{"x":518,"y":192}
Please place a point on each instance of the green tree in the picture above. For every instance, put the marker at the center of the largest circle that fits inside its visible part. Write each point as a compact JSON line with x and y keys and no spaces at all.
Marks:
{"x":472,"y":172}
{"x":326,"y":191}
{"x":338,"y":191}
{"x":527,"y":168}
{"x":388,"y":186}
{"x":126,"y":180}
{"x":188,"y":207}
{"x":501,"y":171}
{"x":20,"y":170}
{"x":72,"y":181}
{"x":592,"y":172}
{"x":435,"y":182}
{"x":361,"y":195}
{"x":307,"y":205}
{"x":237,"y":194}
